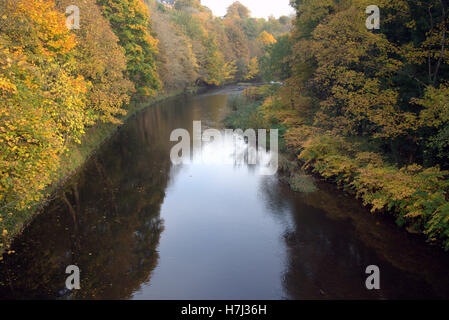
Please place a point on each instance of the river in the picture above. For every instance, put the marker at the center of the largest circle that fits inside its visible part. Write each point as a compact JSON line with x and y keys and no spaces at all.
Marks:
{"x":139,"y":227}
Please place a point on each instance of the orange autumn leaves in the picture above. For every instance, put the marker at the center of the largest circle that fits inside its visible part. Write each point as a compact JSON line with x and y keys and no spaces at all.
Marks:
{"x":266,"y":39}
{"x":54,"y":84}
{"x":42,"y":102}
{"x":101,"y":61}
{"x":42,"y":22}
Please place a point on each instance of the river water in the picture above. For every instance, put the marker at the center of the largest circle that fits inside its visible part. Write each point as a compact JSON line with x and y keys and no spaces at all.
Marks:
{"x":139,"y":227}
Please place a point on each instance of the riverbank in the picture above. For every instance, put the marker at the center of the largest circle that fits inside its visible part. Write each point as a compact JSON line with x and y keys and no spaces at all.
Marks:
{"x":137,"y":227}
{"x":71,"y":162}
{"x":414,"y":195}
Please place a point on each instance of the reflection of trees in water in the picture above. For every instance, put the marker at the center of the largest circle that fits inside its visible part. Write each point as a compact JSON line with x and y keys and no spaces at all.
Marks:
{"x":272,"y":193}
{"x":332,"y":239}
{"x":106,"y":222}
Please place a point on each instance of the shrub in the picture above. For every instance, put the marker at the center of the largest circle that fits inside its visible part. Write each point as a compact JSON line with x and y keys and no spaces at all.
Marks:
{"x":417,"y":196}
{"x":302,"y":183}
{"x":246,"y":115}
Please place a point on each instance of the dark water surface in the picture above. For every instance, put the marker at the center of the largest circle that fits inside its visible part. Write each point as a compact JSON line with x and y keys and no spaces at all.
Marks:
{"x":139,"y":227}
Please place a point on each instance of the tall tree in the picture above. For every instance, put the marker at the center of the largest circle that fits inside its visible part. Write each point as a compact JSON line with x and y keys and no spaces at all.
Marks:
{"x":101,"y":61}
{"x":130,"y":21}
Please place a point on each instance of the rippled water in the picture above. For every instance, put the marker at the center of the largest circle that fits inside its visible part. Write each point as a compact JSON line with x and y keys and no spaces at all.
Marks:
{"x":139,"y":227}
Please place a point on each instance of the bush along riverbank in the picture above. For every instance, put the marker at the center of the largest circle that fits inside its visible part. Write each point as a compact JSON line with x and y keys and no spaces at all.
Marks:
{"x":416,"y":196}
{"x":71,"y":161}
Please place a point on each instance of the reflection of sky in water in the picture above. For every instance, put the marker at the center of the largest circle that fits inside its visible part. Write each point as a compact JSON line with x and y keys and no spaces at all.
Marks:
{"x":221,"y":241}
{"x":232,"y":149}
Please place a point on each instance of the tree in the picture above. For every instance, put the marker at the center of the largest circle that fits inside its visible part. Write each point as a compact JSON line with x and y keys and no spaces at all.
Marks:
{"x":237,"y":10}
{"x":275,"y":63}
{"x":266,"y":39}
{"x":177,"y":63}
{"x":130,"y":21}
{"x":185,"y":4}
{"x":434,"y":117}
{"x":101,"y":61}
{"x":253,"y":69}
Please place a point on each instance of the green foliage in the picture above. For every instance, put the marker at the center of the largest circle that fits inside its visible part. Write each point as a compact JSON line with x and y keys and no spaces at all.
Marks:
{"x":388,"y":85}
{"x":369,"y":109}
{"x":275,"y":62}
{"x":246,"y":114}
{"x":198,"y":26}
{"x":434,"y":117}
{"x":186,"y":4}
{"x":55,"y":84}
{"x":176,"y":62}
{"x":417,"y":196}
{"x":189,"y":24}
{"x":437,"y":148}
{"x":253,"y":69}
{"x":129,"y":20}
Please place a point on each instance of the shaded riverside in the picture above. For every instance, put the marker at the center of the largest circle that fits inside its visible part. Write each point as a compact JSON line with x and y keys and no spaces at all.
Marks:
{"x":383,"y":187}
{"x":366,"y":108}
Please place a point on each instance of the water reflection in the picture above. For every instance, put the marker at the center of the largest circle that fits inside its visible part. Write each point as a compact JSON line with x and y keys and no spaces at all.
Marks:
{"x":332,"y":239}
{"x":140,"y":228}
{"x":105,"y":221}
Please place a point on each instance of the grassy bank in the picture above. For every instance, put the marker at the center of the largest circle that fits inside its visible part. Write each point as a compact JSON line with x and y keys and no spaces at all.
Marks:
{"x":15,"y":221}
{"x":416,"y":196}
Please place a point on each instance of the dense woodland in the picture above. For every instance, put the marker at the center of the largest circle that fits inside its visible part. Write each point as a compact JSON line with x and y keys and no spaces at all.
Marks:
{"x":59,"y":86}
{"x":367,"y":109}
